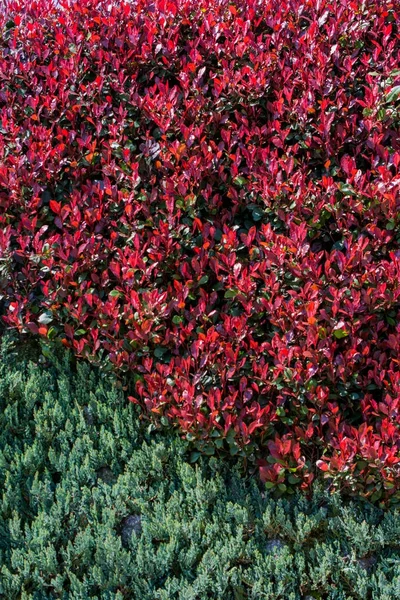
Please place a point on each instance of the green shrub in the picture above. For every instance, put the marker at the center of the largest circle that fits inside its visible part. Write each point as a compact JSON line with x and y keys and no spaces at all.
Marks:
{"x":93,"y":504}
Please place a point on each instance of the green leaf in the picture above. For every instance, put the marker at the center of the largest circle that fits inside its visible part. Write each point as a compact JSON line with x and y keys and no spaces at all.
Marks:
{"x":231,"y":294}
{"x":257,"y":214}
{"x":346,"y":189}
{"x":47,"y":352}
{"x":340,"y":333}
{"x":269,"y":485}
{"x":177,"y":320}
{"x":391,"y":225}
{"x":45,"y":318}
{"x":151,"y":428}
{"x":160,"y":351}
{"x":215,"y":434}
{"x":52,"y":332}
{"x":294,"y":480}
{"x":393,"y":94}
{"x":376,"y":495}
{"x":218,"y":235}
{"x":115,"y":294}
{"x":230,"y":436}
{"x":203,"y":280}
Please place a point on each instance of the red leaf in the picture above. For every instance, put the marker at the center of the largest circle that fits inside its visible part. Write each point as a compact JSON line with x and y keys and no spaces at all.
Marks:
{"x":55,"y":206}
{"x":322,"y":465}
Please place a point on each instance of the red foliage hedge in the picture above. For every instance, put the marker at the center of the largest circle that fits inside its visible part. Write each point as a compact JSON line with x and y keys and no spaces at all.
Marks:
{"x":207,"y":193}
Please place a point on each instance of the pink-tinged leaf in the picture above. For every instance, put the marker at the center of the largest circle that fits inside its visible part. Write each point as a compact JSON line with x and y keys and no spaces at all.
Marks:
{"x":33,"y":328}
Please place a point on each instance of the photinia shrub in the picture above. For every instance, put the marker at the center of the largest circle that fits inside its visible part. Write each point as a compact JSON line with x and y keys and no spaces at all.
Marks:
{"x":206,"y":194}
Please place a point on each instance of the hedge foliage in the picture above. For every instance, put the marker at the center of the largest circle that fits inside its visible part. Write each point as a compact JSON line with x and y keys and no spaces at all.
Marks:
{"x":94,"y":505}
{"x":206,"y":193}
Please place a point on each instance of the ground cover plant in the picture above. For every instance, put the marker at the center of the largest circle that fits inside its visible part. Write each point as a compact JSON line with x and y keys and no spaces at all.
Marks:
{"x":205,"y":194}
{"x":94,"y":505}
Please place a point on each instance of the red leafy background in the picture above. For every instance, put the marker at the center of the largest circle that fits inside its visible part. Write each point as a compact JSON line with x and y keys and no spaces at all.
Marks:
{"x":206,"y":194}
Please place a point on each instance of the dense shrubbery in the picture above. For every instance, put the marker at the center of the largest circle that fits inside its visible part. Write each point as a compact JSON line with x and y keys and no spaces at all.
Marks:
{"x":76,"y":466}
{"x":207,"y":194}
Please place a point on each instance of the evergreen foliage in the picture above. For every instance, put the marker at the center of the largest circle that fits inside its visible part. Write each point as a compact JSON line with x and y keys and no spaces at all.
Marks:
{"x":95,"y":505}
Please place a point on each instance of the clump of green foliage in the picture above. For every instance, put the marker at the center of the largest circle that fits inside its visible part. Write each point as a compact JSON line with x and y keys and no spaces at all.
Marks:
{"x":94,"y":504}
